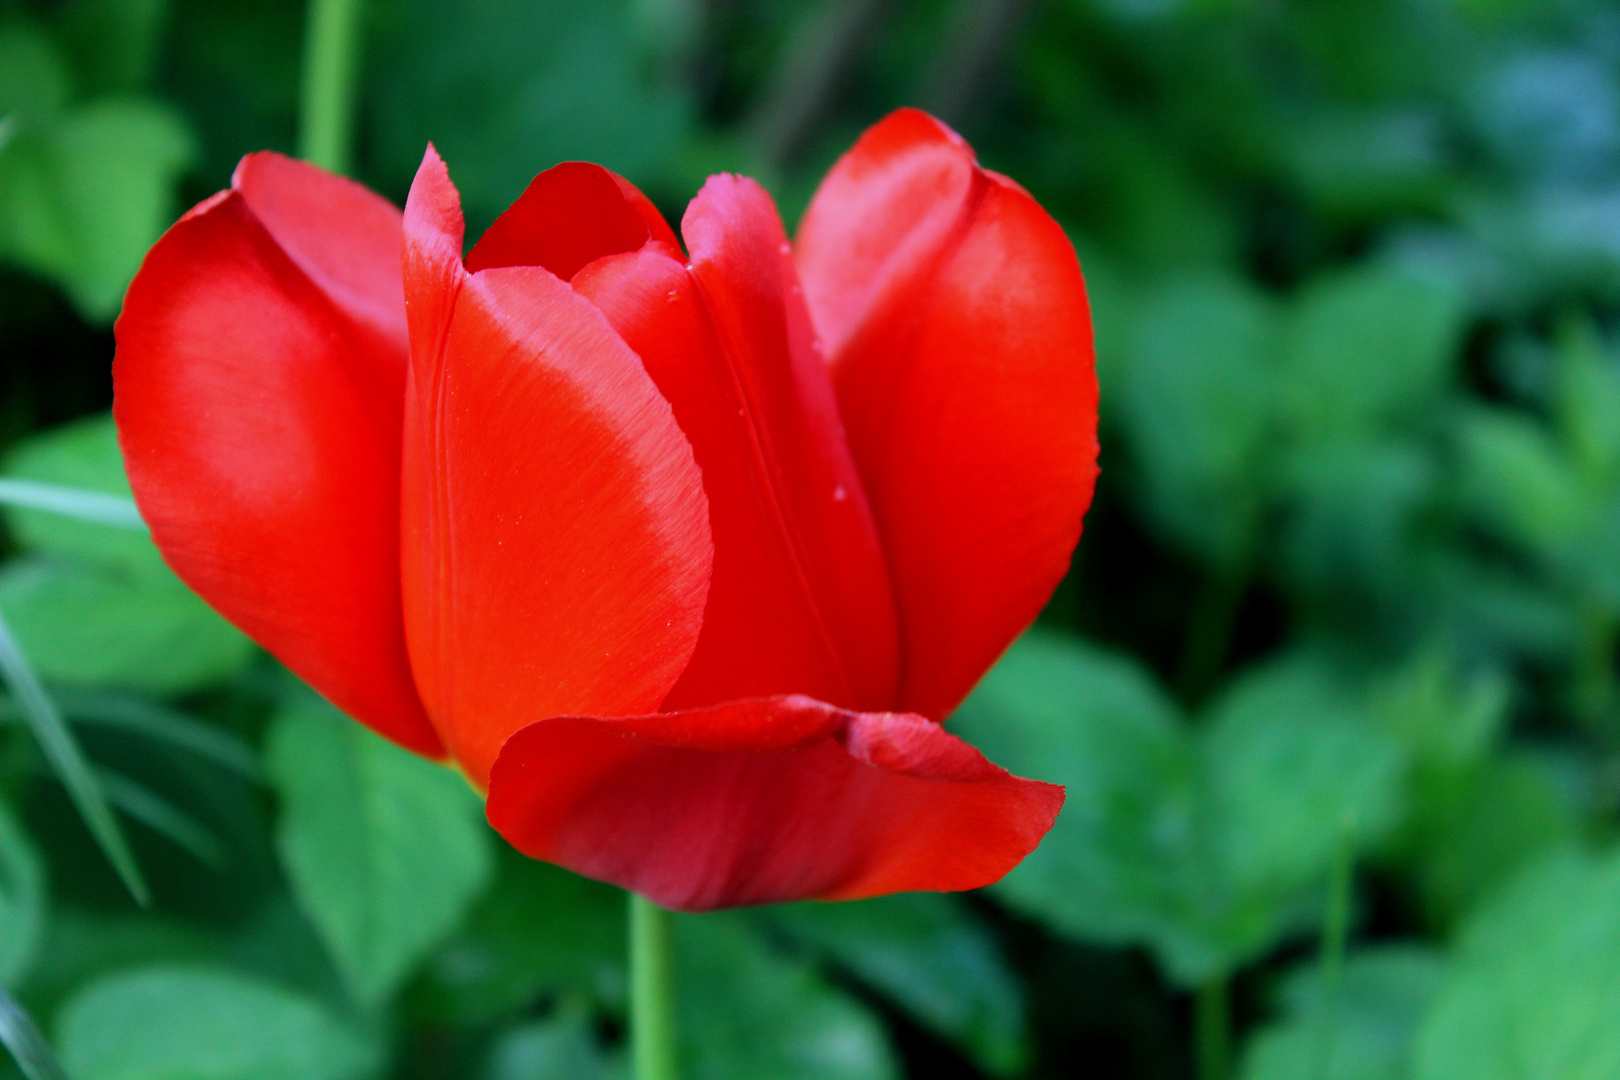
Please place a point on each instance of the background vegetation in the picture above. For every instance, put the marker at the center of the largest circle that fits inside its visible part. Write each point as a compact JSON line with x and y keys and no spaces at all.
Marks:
{"x":1332,"y":683}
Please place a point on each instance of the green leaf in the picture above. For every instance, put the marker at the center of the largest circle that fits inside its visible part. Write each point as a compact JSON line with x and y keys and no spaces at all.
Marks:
{"x":560,"y":1047}
{"x":1196,"y":397}
{"x":507,"y":88}
{"x":1518,"y":480}
{"x":161,"y":816}
{"x":95,"y":627}
{"x":85,"y":194}
{"x":96,"y":605}
{"x":34,"y":79}
{"x":925,"y":953}
{"x":201,"y":1023}
{"x":385,"y":850}
{"x":1535,"y":988}
{"x":539,"y":930}
{"x":1365,"y":347}
{"x":161,"y":724}
{"x":1207,"y":846}
{"x":22,"y":900}
{"x":67,"y":761}
{"x":744,"y":1012}
{"x":1365,"y":1033}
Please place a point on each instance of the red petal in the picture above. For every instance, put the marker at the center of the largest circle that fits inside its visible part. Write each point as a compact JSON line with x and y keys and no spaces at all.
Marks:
{"x":961,"y":346}
{"x":764,"y":801}
{"x":556,"y":538}
{"x":800,"y":600}
{"x":259,"y":394}
{"x":568,"y":216}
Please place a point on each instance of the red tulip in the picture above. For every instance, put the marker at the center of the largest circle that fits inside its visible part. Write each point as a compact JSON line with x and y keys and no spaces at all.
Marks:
{"x":681,"y":559}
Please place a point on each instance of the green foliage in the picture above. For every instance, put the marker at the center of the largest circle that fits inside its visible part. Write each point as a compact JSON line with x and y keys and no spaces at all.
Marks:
{"x":94,"y":604}
{"x":744,"y":1011}
{"x":385,"y":851}
{"x":1362,"y":1031}
{"x":1207,"y":844}
{"x":162,"y":1023}
{"x":930,"y":957}
{"x":88,"y":169}
{"x":1535,"y":988}
{"x":1351,"y":586}
{"x":22,"y":900}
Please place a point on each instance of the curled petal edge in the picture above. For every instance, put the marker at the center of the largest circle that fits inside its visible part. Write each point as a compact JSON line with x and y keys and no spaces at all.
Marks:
{"x":764,"y":801}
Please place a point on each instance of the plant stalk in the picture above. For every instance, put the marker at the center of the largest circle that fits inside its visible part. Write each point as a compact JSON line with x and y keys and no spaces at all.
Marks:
{"x":1335,"y":933}
{"x":1212,"y":1029}
{"x":652,"y":992}
{"x":331,"y":68}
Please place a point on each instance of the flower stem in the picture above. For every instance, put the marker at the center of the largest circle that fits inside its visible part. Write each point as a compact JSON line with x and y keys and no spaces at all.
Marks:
{"x":1212,"y":1029}
{"x":652,"y":997}
{"x":331,"y":63}
{"x":1335,"y":931}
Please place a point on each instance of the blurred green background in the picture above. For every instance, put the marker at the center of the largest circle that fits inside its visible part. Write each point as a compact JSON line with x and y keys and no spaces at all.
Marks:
{"x":1332,"y":684}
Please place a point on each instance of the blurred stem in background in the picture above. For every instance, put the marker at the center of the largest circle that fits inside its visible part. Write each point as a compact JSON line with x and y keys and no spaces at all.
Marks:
{"x":1335,"y":931}
{"x":1213,"y":1026}
{"x":331,"y":69}
{"x":28,"y":1048}
{"x":652,"y":999}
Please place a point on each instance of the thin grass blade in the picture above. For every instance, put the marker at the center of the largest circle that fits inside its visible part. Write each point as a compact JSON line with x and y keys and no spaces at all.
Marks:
{"x":68,"y":762}
{"x":96,"y":506}
{"x":28,"y":1047}
{"x":152,"y":810}
{"x":161,"y":723}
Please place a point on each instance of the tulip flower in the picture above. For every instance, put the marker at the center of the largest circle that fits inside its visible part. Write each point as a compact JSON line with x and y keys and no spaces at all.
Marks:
{"x":682,"y":555}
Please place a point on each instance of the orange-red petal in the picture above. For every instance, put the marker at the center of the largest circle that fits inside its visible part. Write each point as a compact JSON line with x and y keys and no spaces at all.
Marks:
{"x":556,"y":547}
{"x":258,"y":388}
{"x":568,"y":216}
{"x":801,"y":600}
{"x":956,"y":322}
{"x":764,"y":801}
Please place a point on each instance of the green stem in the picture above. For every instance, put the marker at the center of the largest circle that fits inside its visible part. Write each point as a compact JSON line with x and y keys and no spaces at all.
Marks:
{"x":331,"y":63}
{"x":652,"y":993}
{"x":1335,"y":932}
{"x":1213,"y":1027}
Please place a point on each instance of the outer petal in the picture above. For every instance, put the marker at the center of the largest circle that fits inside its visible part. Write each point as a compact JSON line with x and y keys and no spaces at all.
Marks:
{"x":568,"y":216}
{"x":956,"y":320}
{"x":763,"y":801}
{"x":801,"y":599}
{"x":259,"y":387}
{"x":556,"y":544}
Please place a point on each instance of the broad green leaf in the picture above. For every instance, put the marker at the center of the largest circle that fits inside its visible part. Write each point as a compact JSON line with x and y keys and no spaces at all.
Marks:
{"x":1518,"y":480}
{"x":202,"y":1023}
{"x":1534,"y":991}
{"x":1353,"y":511}
{"x":1206,"y":846}
{"x":507,"y":88}
{"x":95,"y":627}
{"x":1364,"y":1032}
{"x":560,"y":1047}
{"x":539,"y":930}
{"x":925,"y":953}
{"x":22,"y":900}
{"x":744,"y":1012}
{"x":80,"y":946}
{"x":87,"y":193}
{"x":1473,"y":829}
{"x":1364,"y":347}
{"x":1295,"y":770}
{"x":96,"y":605}
{"x":1196,"y":398}
{"x":1366,"y":164}
{"x":385,"y":850}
